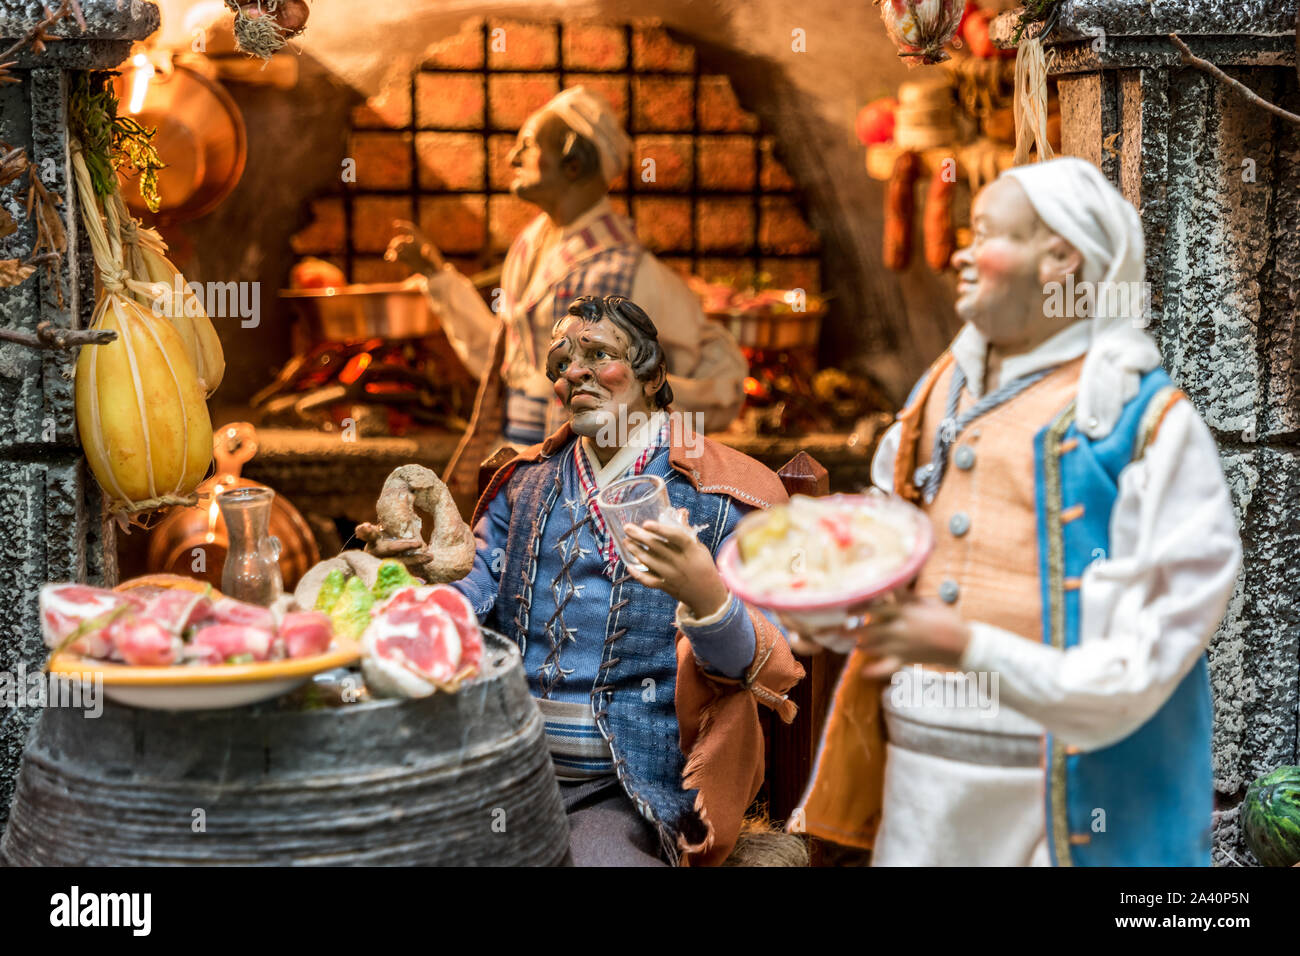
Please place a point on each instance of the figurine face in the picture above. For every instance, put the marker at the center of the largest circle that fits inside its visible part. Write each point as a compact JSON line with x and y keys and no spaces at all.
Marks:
{"x":1002,"y":274}
{"x":537,"y":159}
{"x":589,"y":363}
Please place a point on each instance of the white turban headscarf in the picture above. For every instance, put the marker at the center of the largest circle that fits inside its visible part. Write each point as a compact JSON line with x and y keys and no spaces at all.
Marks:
{"x":1079,"y":204}
{"x":590,"y":116}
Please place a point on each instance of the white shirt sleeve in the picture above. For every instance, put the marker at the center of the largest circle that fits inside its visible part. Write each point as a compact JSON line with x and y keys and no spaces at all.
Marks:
{"x":465,"y":317}
{"x":1148,"y":609}
{"x":707,"y":367}
{"x":882,"y":463}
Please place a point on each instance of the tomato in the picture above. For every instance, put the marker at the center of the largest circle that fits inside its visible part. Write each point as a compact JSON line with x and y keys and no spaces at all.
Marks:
{"x":975,"y":31}
{"x":875,"y":122}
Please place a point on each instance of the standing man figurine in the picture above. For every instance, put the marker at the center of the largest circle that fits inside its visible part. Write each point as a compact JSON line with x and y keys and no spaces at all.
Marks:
{"x":1085,"y":551}
{"x":567,"y":155}
{"x":649,"y":680}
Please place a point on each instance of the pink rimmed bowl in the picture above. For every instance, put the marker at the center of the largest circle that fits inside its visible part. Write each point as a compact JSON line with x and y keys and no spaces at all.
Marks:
{"x":811,"y":612}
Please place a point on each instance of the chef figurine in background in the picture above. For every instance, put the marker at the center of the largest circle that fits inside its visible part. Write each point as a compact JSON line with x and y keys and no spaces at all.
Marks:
{"x":567,"y":155}
{"x":1085,"y":550}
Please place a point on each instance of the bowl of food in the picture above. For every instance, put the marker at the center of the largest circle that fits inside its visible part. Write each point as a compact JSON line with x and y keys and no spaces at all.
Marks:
{"x":816,"y":562}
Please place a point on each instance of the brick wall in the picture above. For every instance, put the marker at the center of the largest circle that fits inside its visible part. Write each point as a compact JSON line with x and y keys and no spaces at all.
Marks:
{"x":433,"y":148}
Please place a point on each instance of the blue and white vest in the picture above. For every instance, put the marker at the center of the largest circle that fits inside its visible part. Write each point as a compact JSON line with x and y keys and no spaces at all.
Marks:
{"x":634,"y":698}
{"x":1154,"y":789}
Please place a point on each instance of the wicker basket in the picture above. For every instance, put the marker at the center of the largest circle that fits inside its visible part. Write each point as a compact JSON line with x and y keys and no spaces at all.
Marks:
{"x":771,"y":330}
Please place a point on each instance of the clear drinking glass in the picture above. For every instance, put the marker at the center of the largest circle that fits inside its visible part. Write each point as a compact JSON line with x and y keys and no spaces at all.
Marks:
{"x":252,"y":569}
{"x":634,"y":501}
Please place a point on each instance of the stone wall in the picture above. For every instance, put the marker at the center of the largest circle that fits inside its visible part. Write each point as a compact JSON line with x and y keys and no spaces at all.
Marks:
{"x":50,"y":524}
{"x":1217,"y":182}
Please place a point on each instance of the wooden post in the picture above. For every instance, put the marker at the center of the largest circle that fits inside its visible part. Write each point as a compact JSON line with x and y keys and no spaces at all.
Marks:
{"x":793,"y":746}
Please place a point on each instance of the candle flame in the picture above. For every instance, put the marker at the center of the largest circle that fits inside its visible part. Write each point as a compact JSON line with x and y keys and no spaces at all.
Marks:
{"x":213,"y":514}
{"x":140,"y":77}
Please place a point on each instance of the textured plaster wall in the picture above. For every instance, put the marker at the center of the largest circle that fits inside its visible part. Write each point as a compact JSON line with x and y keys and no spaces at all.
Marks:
{"x":1233,"y":259}
{"x":1226,"y":242}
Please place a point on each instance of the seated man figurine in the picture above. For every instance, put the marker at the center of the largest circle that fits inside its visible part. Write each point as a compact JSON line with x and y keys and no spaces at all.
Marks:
{"x":648,"y":680}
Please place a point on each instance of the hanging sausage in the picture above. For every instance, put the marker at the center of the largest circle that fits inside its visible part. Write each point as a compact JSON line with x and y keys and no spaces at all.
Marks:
{"x":900,"y":207}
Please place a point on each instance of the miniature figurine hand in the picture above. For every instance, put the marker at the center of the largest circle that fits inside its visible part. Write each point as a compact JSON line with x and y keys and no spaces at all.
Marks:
{"x":909,"y":631}
{"x":412,"y":248}
{"x":913,"y":631}
{"x":812,"y":643}
{"x":679,"y":564}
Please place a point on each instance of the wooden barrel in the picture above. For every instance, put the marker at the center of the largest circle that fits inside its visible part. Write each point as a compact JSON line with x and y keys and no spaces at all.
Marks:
{"x":452,"y":779}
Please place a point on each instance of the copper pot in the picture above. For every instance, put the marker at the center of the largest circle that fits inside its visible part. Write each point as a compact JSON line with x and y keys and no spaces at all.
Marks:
{"x":352,"y":313}
{"x":193,"y":541}
{"x":200,"y":136}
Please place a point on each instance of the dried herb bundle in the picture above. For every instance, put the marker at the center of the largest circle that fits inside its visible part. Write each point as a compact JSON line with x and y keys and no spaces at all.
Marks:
{"x":1037,"y":11}
{"x":112,"y":142}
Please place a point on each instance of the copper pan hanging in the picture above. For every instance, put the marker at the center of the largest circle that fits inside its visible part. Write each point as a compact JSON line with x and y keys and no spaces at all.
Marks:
{"x":201,"y":137}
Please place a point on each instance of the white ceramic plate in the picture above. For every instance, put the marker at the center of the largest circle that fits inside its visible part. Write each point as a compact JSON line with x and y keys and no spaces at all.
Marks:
{"x":204,"y":687}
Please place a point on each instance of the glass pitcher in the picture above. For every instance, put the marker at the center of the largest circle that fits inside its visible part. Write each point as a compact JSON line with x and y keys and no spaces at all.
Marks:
{"x":252,"y":569}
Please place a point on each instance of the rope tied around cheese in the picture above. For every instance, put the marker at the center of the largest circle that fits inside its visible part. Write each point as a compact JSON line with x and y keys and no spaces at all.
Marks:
{"x":159,"y":466}
{"x":104,"y":230}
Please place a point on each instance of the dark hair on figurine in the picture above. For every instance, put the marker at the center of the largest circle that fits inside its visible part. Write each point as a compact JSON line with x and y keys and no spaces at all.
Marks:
{"x":645,"y":353}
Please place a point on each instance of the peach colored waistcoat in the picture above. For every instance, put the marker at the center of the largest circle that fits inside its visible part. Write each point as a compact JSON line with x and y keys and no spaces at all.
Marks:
{"x":994,"y":566}
{"x":985,"y":559}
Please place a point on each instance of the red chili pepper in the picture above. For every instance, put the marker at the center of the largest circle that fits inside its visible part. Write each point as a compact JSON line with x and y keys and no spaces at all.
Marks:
{"x":837,"y":526}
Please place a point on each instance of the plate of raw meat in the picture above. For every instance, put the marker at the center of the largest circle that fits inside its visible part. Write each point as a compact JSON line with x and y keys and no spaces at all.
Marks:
{"x":185,"y":647}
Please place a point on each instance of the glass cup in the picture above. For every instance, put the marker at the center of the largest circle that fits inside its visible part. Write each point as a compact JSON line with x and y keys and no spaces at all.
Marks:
{"x":252,"y":569}
{"x":634,"y":501}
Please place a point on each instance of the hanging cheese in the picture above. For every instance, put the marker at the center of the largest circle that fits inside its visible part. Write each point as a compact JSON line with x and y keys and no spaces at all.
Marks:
{"x":141,"y":414}
{"x":173,"y":298}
